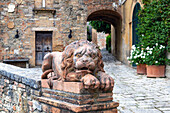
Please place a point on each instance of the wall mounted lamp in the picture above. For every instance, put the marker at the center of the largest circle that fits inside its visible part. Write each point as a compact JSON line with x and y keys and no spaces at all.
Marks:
{"x":17,"y":35}
{"x":70,"y":36}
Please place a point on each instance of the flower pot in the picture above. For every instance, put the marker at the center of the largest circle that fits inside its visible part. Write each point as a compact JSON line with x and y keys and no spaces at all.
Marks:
{"x":156,"y":71}
{"x":141,"y":69}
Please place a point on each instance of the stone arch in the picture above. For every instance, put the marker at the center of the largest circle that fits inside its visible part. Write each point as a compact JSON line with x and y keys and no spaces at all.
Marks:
{"x":115,"y":19}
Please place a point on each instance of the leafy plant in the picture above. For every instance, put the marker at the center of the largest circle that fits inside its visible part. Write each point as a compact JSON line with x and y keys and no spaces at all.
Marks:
{"x":108,"y":43}
{"x":101,"y":26}
{"x":146,"y":1}
{"x":89,"y":37}
{"x":155,"y":55}
{"x":153,"y":30}
{"x":137,"y":56}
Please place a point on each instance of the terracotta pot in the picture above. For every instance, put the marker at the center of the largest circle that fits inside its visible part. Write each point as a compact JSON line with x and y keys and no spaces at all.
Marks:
{"x":141,"y":69}
{"x":156,"y":71}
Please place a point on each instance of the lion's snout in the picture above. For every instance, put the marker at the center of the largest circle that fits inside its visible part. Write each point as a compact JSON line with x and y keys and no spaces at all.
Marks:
{"x":85,"y":66}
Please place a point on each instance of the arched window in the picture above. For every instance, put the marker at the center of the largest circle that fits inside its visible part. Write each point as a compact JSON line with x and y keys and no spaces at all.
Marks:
{"x":135,"y":39}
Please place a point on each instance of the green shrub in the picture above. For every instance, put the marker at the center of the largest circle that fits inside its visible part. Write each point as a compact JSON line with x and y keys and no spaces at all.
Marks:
{"x":108,"y":43}
{"x":153,"y":31}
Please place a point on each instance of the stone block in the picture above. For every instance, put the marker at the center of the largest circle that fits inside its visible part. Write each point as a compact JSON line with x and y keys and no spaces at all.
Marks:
{"x":55,"y":110}
{"x":36,"y":105}
{"x":75,"y":98}
{"x":74,"y":87}
{"x":21,"y":85}
{"x":94,"y":108}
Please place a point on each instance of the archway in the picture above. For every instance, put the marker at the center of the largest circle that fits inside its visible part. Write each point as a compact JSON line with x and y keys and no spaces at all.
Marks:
{"x":135,"y":38}
{"x":114,"y":18}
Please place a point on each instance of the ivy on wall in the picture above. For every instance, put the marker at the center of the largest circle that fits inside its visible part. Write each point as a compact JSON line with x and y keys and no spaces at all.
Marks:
{"x":153,"y":27}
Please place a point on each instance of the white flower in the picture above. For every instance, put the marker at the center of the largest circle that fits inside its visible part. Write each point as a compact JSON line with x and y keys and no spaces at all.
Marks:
{"x":151,"y":49}
{"x":142,"y":34}
{"x":156,"y":62}
{"x":136,"y":63}
{"x":161,"y":47}
{"x":156,"y":44}
{"x":147,"y":48}
{"x":128,"y":58}
{"x":133,"y":47}
{"x":135,"y":56}
{"x":150,"y":52}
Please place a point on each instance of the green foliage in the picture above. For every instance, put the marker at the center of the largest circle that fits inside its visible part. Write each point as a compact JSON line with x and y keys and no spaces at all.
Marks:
{"x":89,"y":37}
{"x":153,"y":29}
{"x":108,"y":43}
{"x":101,"y":26}
{"x":146,"y":1}
{"x":156,"y":55}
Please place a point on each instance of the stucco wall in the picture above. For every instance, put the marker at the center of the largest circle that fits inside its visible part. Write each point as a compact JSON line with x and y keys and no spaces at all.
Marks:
{"x":126,"y":33}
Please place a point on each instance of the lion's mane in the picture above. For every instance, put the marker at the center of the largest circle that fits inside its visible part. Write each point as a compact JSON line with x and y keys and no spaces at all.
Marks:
{"x":67,"y":57}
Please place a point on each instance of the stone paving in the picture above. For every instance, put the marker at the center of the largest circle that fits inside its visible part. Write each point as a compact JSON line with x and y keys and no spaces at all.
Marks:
{"x":137,"y":93}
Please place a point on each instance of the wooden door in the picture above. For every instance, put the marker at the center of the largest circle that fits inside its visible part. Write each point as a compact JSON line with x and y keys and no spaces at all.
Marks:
{"x":43,"y":45}
{"x":135,"y":39}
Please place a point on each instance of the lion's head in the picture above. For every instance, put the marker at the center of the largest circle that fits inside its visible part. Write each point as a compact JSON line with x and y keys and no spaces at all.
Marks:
{"x":81,"y":57}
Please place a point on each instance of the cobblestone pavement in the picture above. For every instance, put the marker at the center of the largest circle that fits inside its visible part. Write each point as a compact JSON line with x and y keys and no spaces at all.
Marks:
{"x":137,"y":93}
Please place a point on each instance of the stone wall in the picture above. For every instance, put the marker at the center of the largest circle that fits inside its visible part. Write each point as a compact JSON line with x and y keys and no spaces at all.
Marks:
{"x":23,"y":91}
{"x":18,"y":87}
{"x":101,"y":39}
{"x":58,"y":16}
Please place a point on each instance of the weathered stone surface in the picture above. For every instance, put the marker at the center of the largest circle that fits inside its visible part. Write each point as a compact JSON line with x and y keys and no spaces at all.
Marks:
{"x":18,"y":95}
{"x":24,"y":76}
{"x":81,"y":61}
{"x":78,"y":108}
{"x":59,"y":16}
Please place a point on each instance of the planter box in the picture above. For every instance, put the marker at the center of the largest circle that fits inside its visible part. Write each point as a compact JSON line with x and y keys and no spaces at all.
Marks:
{"x":156,"y":71}
{"x":141,"y":69}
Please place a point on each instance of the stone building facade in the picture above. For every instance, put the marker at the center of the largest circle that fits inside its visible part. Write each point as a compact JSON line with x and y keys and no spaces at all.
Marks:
{"x":32,"y":28}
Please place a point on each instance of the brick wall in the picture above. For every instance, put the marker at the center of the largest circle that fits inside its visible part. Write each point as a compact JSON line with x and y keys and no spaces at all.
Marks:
{"x":58,"y":16}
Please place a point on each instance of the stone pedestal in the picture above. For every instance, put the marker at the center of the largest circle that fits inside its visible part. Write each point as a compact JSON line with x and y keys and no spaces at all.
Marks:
{"x":71,"y":97}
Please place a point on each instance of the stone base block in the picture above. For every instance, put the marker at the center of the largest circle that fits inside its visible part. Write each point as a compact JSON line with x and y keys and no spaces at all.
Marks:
{"x":72,"y":96}
{"x":107,"y":107}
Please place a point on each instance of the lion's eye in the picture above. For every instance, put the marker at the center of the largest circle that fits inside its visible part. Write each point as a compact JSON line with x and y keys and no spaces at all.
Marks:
{"x":78,"y":55}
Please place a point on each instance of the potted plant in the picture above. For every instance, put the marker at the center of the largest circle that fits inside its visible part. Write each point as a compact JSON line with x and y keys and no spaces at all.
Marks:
{"x":153,"y":31}
{"x":137,"y":57}
{"x":155,"y":60}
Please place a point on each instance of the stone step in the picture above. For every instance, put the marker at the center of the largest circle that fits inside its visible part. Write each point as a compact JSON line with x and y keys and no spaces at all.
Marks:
{"x":107,"y":107}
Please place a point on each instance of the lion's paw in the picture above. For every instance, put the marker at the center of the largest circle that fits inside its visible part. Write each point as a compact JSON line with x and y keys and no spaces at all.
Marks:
{"x":90,"y":82}
{"x":107,"y":82}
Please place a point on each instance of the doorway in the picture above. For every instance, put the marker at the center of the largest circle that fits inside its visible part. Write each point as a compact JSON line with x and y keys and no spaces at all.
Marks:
{"x":135,"y":38}
{"x":43,"y":46}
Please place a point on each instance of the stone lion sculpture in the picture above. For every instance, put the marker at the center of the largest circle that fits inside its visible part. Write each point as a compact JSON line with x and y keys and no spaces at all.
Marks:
{"x":81,"y":61}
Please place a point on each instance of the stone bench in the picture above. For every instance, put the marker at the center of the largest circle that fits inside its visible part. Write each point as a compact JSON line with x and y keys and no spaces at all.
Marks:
{"x":24,"y":63}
